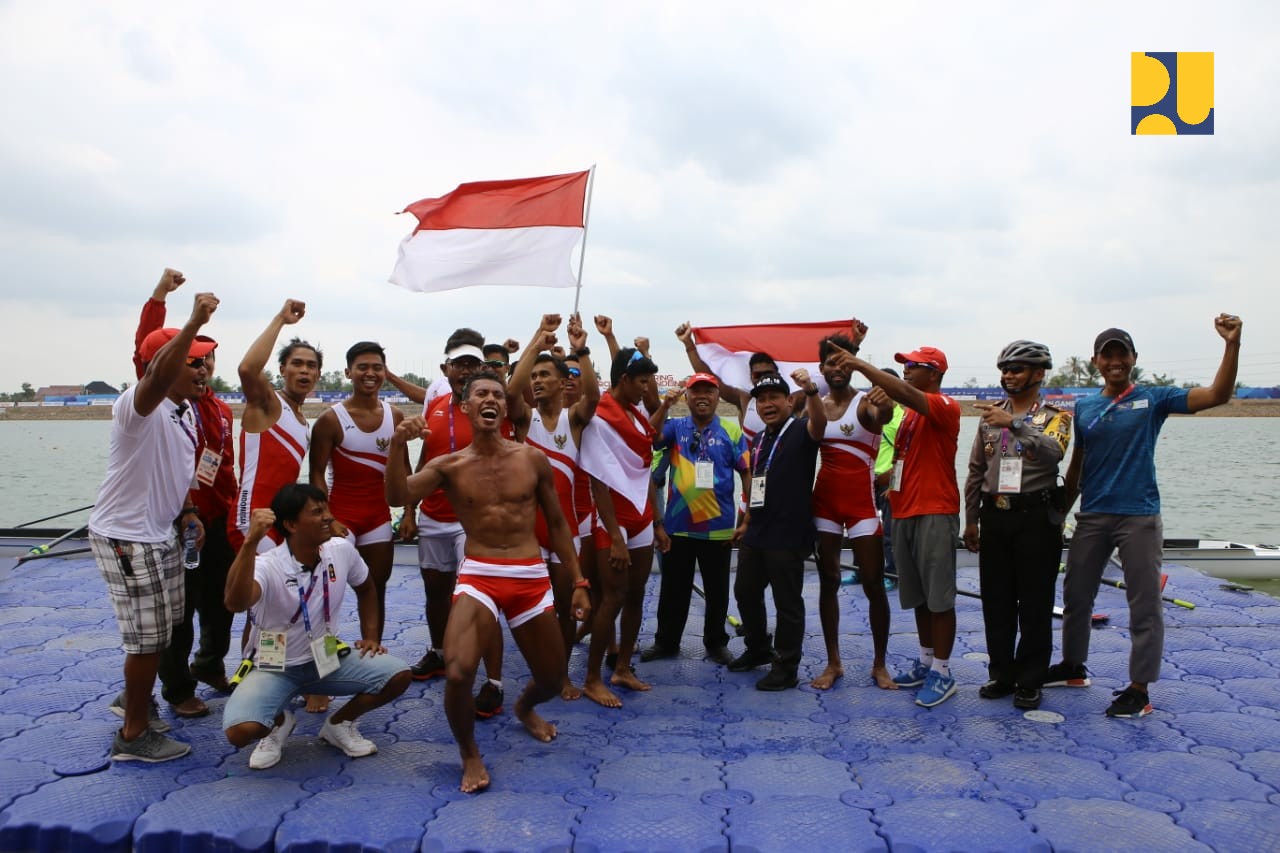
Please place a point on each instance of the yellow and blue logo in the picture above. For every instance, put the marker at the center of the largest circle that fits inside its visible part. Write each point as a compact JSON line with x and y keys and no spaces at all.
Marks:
{"x":1171,"y":94}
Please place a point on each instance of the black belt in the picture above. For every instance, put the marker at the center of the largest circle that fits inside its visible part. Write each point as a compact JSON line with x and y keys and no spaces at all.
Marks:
{"x":1024,"y":501}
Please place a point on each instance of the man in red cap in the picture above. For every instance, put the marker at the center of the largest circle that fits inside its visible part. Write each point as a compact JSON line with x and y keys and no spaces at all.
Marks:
{"x":926,"y":511}
{"x":704,"y":449}
{"x":154,"y":436}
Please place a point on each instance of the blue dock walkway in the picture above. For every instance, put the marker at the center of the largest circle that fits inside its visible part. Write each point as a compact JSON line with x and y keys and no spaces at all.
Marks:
{"x":701,"y":762}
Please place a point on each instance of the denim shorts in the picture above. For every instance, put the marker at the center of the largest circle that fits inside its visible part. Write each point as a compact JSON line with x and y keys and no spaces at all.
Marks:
{"x":262,"y":695}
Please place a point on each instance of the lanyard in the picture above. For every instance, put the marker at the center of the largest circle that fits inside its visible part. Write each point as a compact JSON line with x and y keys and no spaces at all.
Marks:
{"x":906,"y":432}
{"x":759,"y":444}
{"x":182,"y":422}
{"x":303,"y":599}
{"x":1115,"y":401}
{"x":453,"y":441}
{"x":1004,"y":431}
{"x":703,"y":438}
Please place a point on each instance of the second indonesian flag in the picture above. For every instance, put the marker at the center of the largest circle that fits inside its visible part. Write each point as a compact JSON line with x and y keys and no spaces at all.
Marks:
{"x":519,"y":232}
{"x":727,"y":349}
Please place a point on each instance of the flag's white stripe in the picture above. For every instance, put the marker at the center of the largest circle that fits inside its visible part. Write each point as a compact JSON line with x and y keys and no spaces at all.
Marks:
{"x":606,"y":456}
{"x":733,"y":370}
{"x":433,"y":260}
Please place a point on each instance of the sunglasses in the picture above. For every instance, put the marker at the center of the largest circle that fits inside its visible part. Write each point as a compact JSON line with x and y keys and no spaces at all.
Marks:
{"x":924,"y":364}
{"x":574,"y":372}
{"x":495,"y":364}
{"x":635,"y":356}
{"x":1014,"y":368}
{"x":195,"y":363}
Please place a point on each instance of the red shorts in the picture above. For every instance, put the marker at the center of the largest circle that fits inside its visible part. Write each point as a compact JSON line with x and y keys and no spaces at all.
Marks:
{"x":368,"y":522}
{"x":516,"y":589}
{"x":846,"y":509}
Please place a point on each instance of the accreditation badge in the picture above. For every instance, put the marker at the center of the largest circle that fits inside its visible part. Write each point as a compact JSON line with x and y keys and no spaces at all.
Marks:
{"x":207,"y":467}
{"x":895,"y":479}
{"x":757,"y":492}
{"x":325,"y":652}
{"x":1010,"y":482}
{"x":272,"y":651}
{"x":704,"y":475}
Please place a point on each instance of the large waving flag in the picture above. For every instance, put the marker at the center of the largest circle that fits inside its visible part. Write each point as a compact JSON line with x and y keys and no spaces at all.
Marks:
{"x":617,"y":447}
{"x":727,"y":349}
{"x":518,"y":232}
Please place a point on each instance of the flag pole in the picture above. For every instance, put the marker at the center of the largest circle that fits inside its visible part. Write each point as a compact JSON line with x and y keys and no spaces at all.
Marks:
{"x":586,"y":220}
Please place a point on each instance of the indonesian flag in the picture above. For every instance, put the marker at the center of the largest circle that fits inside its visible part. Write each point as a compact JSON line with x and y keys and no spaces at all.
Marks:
{"x":519,"y":232}
{"x":617,"y":447}
{"x":727,"y":349}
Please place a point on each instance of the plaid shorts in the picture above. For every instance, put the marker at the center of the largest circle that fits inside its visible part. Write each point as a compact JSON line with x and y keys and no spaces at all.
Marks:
{"x":147,"y":588}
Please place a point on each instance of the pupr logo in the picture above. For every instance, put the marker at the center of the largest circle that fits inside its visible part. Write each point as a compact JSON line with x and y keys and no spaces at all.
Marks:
{"x":1171,"y":94}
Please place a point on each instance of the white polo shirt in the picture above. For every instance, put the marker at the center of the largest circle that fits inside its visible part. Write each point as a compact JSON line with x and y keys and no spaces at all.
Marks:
{"x":150,"y":468}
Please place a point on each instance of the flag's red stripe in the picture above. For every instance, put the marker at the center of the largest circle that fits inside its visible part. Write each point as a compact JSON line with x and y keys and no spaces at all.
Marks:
{"x":783,"y":341}
{"x":520,"y":203}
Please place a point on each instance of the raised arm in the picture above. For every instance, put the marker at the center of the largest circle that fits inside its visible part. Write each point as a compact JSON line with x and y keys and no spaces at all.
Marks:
{"x":400,"y":487}
{"x":588,"y":385}
{"x":604,"y":325}
{"x":153,"y":314}
{"x":897,"y":389}
{"x":416,"y":393}
{"x":258,"y":395}
{"x":518,"y":383}
{"x":739,"y":397}
{"x":1224,"y":382}
{"x":659,"y":416}
{"x":814,"y":408}
{"x":169,"y":363}
{"x":242,"y":591}
{"x":650,"y":398}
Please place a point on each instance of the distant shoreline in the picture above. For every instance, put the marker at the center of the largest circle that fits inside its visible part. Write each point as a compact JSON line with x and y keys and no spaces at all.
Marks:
{"x":1233,"y":409}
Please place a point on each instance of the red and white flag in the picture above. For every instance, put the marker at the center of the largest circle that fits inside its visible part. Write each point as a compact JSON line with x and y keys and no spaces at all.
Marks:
{"x":617,"y":448}
{"x":519,"y":232}
{"x":727,"y":349}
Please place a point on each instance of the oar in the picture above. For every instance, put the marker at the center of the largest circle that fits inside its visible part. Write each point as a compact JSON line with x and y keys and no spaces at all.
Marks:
{"x":44,"y":555}
{"x":51,"y":517}
{"x":734,"y":621}
{"x":1169,"y":598}
{"x":44,"y":549}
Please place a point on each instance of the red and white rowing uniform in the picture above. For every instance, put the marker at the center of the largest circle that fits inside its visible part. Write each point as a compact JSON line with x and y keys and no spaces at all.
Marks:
{"x":557,"y":444}
{"x":357,"y":466}
{"x":752,"y":423}
{"x":268,"y":460}
{"x":844,"y":496}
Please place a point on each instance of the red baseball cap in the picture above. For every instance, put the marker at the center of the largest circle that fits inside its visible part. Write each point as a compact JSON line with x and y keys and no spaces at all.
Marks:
{"x":931,"y":356}
{"x":701,"y":377}
{"x":155,"y":341}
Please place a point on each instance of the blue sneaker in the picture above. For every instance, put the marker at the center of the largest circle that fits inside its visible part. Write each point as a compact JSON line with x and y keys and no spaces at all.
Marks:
{"x":913,"y":677}
{"x":937,"y":689}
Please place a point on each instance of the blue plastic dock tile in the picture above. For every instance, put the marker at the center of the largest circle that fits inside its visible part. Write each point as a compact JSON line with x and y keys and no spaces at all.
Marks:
{"x":1223,"y":664}
{"x":1233,"y":825}
{"x":11,"y":724}
{"x":893,"y":734}
{"x":917,"y":826}
{"x":1102,"y":825}
{"x":1006,"y":734}
{"x":381,"y":817}
{"x":22,"y":777}
{"x":417,"y":764}
{"x":1181,"y":776}
{"x":1265,"y":765}
{"x":1191,"y":639}
{"x":903,"y":777}
{"x":537,"y":768}
{"x":1122,"y":736}
{"x":1049,"y":775}
{"x":765,"y":776}
{"x":82,"y":813}
{"x":666,"y":774}
{"x":238,"y":813}
{"x":1189,"y":696}
{"x":650,"y":823}
{"x":1245,"y":733}
{"x":812,"y":823}
{"x":782,"y":736}
{"x":504,"y":820}
{"x":72,"y":747}
{"x":1253,"y":691}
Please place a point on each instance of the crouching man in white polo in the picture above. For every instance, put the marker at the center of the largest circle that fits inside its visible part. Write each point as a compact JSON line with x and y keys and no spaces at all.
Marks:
{"x":294,"y":597}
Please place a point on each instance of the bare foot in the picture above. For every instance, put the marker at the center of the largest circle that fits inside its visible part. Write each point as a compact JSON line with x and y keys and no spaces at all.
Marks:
{"x":627,"y":678}
{"x":317,"y":704}
{"x":535,"y":724}
{"x":828,"y":678}
{"x":570,"y":691}
{"x":474,"y":775}
{"x":883,"y":679}
{"x":595,"y":690}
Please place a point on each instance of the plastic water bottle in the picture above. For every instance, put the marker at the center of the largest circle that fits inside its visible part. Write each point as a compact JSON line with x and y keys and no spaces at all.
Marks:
{"x":190,"y":553}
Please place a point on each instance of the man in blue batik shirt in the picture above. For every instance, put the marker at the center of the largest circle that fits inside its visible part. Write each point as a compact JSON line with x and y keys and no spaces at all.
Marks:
{"x":1113,"y":470}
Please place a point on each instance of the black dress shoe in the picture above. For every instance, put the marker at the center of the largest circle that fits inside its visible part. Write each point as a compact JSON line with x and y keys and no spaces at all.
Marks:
{"x":778,"y":679}
{"x":720,"y":655}
{"x":1026,"y":698}
{"x":995,"y":689}
{"x":656,"y":652}
{"x":750,"y":660}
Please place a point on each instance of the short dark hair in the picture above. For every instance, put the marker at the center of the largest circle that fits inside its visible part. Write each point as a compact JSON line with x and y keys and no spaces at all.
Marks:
{"x":299,"y":343}
{"x":630,"y":362}
{"x":890,"y":371}
{"x":290,"y":501}
{"x":831,"y":343}
{"x":559,"y":366}
{"x":497,"y":349}
{"x":363,"y":347}
{"x":464,"y":336}
{"x":760,"y":358}
{"x":478,"y":375}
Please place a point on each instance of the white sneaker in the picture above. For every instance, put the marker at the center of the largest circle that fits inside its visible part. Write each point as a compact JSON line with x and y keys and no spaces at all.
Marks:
{"x":346,"y":737}
{"x":270,"y":749}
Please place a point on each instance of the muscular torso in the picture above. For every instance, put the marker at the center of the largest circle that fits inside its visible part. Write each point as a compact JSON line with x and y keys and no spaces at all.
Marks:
{"x":495,"y":496}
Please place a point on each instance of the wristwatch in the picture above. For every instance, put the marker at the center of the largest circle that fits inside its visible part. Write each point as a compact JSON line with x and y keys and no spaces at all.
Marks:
{"x":582,"y":353}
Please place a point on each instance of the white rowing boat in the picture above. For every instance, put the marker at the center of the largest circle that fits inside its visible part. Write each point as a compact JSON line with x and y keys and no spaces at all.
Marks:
{"x":1223,"y":559}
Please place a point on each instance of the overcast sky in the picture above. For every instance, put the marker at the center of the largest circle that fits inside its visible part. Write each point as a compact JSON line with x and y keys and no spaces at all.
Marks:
{"x":957,"y":175}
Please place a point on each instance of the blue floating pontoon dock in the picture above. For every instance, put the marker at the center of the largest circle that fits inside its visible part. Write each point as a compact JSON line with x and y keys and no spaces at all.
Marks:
{"x":702,"y":762}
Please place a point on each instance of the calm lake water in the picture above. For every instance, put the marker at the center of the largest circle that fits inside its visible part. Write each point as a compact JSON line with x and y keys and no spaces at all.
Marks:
{"x":1219,"y":477}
